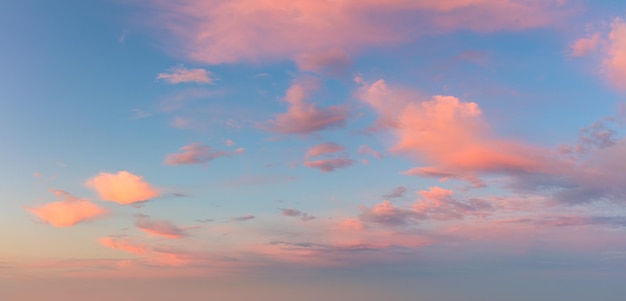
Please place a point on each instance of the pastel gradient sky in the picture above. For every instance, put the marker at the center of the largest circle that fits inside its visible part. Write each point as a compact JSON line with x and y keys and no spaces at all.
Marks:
{"x":423,"y":150}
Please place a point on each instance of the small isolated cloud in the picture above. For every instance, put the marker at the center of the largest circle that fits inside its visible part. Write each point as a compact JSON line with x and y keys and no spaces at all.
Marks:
{"x":159,"y":227}
{"x":123,"y":188}
{"x":396,"y":193}
{"x":585,"y":46}
{"x":329,"y":165}
{"x":243,"y":218}
{"x":197,"y":153}
{"x":324,"y":149}
{"x":303,"y":117}
{"x":177,"y":75}
{"x":67,"y":212}
{"x":367,"y":150}
{"x":297,"y":213}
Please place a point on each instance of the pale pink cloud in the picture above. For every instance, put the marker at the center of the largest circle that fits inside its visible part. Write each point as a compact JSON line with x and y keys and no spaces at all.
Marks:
{"x":123,"y":188}
{"x":68,"y":212}
{"x":449,"y":134}
{"x":217,"y":31}
{"x":329,"y":165}
{"x":615,"y":62}
{"x":367,"y":150}
{"x":124,"y":245}
{"x":303,"y":117}
{"x":585,"y":46}
{"x":177,"y":75}
{"x":159,"y":227}
{"x":324,"y":149}
{"x":197,"y":153}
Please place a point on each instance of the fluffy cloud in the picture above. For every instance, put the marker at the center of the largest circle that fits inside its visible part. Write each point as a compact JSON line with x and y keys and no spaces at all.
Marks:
{"x":197,"y":153}
{"x":615,"y":62}
{"x":584,"y":46}
{"x":67,"y":212}
{"x":316,"y":33}
{"x":181,"y":74}
{"x":304,"y":117}
{"x":159,"y":227}
{"x":123,"y":188}
{"x":450,"y":135}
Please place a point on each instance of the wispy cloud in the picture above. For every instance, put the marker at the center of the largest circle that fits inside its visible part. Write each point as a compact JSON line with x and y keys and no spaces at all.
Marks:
{"x":197,"y":153}
{"x":180,"y":74}
{"x":290,"y":212}
{"x":159,"y":227}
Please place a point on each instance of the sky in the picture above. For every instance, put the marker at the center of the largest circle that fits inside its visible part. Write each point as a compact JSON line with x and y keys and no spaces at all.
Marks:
{"x":424,"y":150}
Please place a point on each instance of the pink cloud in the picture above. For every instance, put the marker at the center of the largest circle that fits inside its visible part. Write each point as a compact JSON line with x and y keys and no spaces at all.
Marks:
{"x":303,"y":117}
{"x":324,"y":149}
{"x":216,"y":32}
{"x":585,"y":46}
{"x":367,"y":150}
{"x":197,"y":153}
{"x":438,"y":204}
{"x":68,"y":212}
{"x":123,"y":188}
{"x":329,"y":165}
{"x":159,"y":227}
{"x":124,"y":245}
{"x":615,"y":62}
{"x":449,"y":134}
{"x":181,"y":74}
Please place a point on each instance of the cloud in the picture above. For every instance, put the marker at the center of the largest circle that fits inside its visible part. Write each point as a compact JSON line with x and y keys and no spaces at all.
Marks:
{"x":450,"y":135}
{"x":438,"y":204}
{"x":68,"y":212}
{"x":615,"y":61}
{"x":386,"y":213}
{"x":367,"y":150}
{"x":177,"y":75}
{"x":303,"y":117}
{"x":329,"y":165}
{"x":243,"y":218}
{"x":297,"y":213}
{"x":324,"y":149}
{"x":396,"y":193}
{"x":159,"y":227}
{"x":123,"y":244}
{"x":197,"y":153}
{"x":597,"y":135}
{"x":123,"y":188}
{"x":331,"y":62}
{"x":316,"y":33}
{"x":585,"y":46}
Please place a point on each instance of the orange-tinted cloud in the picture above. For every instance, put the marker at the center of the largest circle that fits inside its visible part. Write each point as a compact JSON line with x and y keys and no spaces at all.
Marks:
{"x":304,"y":117}
{"x":197,"y":153}
{"x":181,"y":74}
{"x":123,"y":188}
{"x":317,"y":32}
{"x":68,"y":212}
